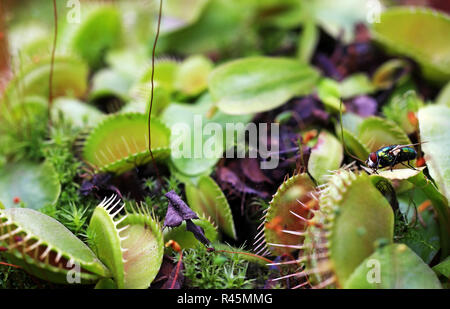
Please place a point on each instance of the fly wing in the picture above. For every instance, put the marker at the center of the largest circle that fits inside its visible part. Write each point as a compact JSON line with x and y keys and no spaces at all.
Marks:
{"x":401,"y":146}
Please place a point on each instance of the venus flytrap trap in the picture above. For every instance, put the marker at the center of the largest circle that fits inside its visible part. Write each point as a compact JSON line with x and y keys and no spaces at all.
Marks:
{"x":118,"y":143}
{"x":283,"y":229}
{"x":101,"y":26}
{"x":187,"y":240}
{"x":69,"y":79}
{"x":131,"y":245}
{"x":348,"y":202}
{"x":45,"y":248}
{"x":206,"y":198}
{"x":424,"y":44}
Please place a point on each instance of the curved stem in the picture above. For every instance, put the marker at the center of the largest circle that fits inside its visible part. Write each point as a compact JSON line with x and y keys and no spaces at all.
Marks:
{"x":151,"y":94}
{"x":52,"y":63}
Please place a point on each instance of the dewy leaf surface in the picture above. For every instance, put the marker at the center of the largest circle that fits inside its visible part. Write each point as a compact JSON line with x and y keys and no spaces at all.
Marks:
{"x":259,"y":84}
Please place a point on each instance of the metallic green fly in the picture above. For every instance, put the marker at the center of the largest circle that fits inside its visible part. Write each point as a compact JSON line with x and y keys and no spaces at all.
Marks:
{"x":392,"y":155}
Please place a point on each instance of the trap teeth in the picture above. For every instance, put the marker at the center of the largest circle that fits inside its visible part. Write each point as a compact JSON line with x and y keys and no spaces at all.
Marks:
{"x":120,"y":143}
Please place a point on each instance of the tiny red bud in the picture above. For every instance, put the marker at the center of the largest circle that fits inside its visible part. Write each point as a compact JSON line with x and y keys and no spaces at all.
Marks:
{"x":16,"y":200}
{"x":174,"y":245}
{"x":413,"y":119}
{"x":420,"y":162}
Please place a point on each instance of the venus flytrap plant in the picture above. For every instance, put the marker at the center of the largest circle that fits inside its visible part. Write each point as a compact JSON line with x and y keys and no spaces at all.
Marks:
{"x":120,"y":143}
{"x":206,"y":198}
{"x":424,"y":44}
{"x":376,"y":132}
{"x":130,"y":245}
{"x":69,"y":79}
{"x":101,"y":26}
{"x":282,"y":230}
{"x":45,"y":248}
{"x":343,"y":231}
{"x":320,"y":162}
{"x":187,"y":240}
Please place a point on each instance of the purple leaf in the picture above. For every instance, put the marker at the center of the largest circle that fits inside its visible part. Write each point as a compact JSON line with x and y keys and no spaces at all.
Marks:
{"x":198,"y":232}
{"x":364,"y":106}
{"x":228,"y":176}
{"x":178,"y":211}
{"x":176,"y":276}
{"x":251,"y":169}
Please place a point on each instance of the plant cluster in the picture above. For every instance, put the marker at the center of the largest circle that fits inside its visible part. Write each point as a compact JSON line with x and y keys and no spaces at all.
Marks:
{"x":358,"y":126}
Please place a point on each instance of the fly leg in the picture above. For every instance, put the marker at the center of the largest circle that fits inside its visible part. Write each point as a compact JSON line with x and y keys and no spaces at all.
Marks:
{"x":393,"y":163}
{"x":375,"y":170}
{"x":409,"y":164}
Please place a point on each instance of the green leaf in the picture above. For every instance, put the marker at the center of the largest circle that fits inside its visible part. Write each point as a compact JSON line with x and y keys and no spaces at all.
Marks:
{"x":221,"y":26}
{"x":195,"y":117}
{"x":424,"y":238}
{"x":60,"y":249}
{"x":192,"y":75}
{"x":399,"y":108}
{"x":69,"y":79}
{"x":259,"y":84}
{"x":132,"y":246}
{"x":329,"y":93}
{"x":339,"y":18}
{"x":109,"y":83}
{"x":376,"y":132}
{"x":308,"y":40}
{"x":186,"y":239}
{"x":386,"y":75}
{"x":208,"y":200}
{"x":435,"y":130}
{"x":444,"y":96}
{"x":35,"y":184}
{"x":353,"y":144}
{"x":440,"y":205}
{"x":120,"y":143}
{"x":280,"y":214}
{"x":397,"y":174}
{"x":99,"y":31}
{"x":326,"y":156}
{"x":179,"y":14}
{"x":76,"y":112}
{"x":355,"y":85}
{"x":417,"y":33}
{"x":398,"y":268}
{"x":443,"y":268}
